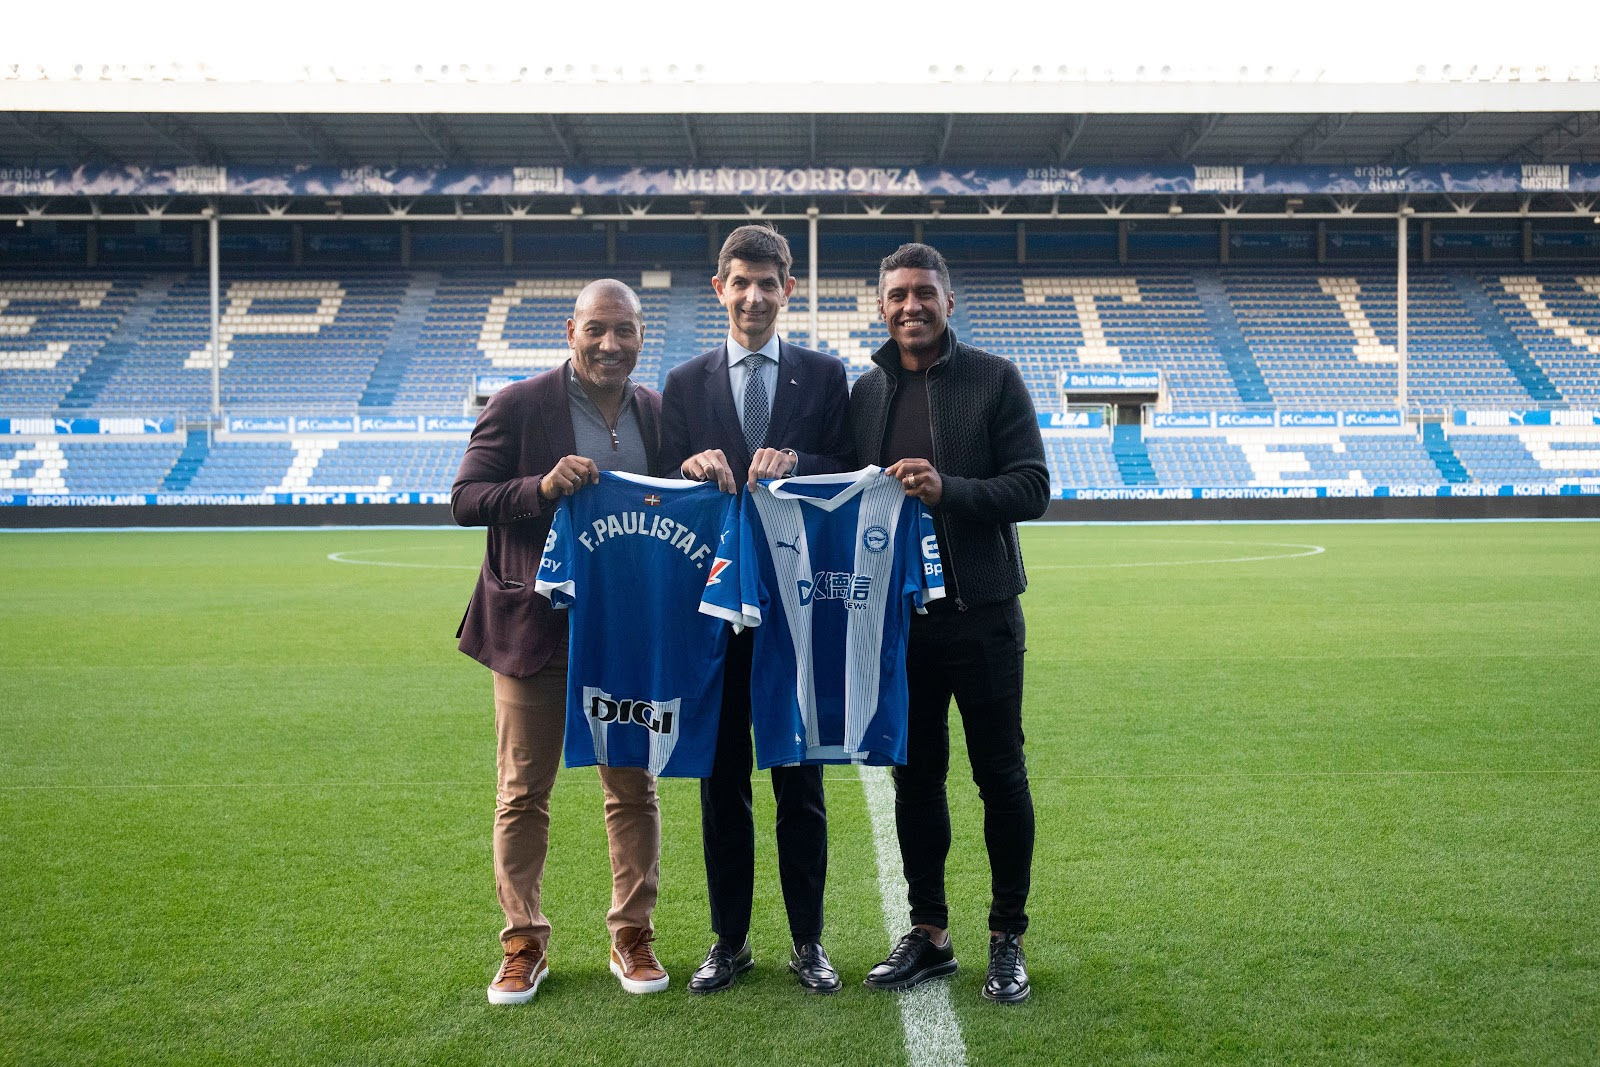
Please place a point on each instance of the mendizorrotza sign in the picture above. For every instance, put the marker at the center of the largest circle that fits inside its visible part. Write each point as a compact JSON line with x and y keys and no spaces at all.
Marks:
{"x":780,"y":181}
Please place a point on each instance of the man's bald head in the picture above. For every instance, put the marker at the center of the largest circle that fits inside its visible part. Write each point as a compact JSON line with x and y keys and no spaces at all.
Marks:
{"x":605,"y":333}
{"x":608,"y":289}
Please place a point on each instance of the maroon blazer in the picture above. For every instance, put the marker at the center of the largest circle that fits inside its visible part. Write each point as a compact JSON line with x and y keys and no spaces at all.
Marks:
{"x":523,"y":432}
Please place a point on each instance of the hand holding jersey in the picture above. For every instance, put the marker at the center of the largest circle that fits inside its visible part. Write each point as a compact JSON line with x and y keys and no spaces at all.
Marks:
{"x":570,"y":474}
{"x":829,"y":568}
{"x":629,"y":558}
{"x":919,"y":479}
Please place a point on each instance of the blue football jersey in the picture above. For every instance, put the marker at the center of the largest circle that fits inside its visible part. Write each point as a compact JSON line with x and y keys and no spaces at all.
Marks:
{"x":829,"y":567}
{"x":629,"y":557}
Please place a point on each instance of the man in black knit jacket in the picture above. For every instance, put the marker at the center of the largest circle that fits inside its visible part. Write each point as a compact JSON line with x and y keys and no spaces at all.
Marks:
{"x":955,"y":425}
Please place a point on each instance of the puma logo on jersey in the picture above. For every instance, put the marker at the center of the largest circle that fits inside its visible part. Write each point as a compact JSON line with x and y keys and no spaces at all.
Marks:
{"x":792,"y":546}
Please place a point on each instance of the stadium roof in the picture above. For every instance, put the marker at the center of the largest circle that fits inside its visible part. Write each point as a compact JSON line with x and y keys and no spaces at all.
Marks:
{"x":996,"y":138}
{"x":836,"y":84}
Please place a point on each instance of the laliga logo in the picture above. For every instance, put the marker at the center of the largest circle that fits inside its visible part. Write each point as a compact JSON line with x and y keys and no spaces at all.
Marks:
{"x":602,"y":708}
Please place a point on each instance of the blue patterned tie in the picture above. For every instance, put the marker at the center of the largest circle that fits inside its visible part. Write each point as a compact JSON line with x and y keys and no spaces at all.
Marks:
{"x":756,"y":412}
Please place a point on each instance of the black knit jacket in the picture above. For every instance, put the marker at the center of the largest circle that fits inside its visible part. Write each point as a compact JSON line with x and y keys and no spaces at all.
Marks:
{"x":988,"y":452}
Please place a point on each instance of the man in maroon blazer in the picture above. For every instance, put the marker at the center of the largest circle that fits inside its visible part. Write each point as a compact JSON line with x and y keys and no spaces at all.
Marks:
{"x":537,"y":441}
{"x":757,"y":407}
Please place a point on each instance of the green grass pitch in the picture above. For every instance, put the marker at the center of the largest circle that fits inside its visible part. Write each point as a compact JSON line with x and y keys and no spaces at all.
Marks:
{"x":1333,"y":807}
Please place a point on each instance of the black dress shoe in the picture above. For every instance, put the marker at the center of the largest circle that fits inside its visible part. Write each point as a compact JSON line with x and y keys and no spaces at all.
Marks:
{"x":914,"y":960}
{"x":721,"y":967}
{"x":1007,"y":982}
{"x":810,"y":964}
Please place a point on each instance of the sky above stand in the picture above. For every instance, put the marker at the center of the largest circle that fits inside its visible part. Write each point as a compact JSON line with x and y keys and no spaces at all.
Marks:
{"x":812,"y":41}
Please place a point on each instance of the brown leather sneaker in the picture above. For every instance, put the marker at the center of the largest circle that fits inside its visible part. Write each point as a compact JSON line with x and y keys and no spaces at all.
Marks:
{"x":634,"y":962}
{"x":523,"y":968}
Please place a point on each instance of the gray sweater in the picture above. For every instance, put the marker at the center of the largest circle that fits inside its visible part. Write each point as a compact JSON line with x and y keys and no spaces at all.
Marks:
{"x":988,"y":452}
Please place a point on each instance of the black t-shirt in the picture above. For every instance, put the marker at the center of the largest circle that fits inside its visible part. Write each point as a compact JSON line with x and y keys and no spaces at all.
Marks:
{"x":910,"y":431}
{"x":910,"y":436}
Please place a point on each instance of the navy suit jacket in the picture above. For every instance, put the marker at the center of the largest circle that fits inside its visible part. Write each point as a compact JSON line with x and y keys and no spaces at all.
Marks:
{"x":523,"y":432}
{"x":810,"y":413}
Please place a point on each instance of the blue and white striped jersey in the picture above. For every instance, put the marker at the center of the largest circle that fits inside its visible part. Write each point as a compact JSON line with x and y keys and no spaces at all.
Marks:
{"x":829,"y":567}
{"x":629,"y":557}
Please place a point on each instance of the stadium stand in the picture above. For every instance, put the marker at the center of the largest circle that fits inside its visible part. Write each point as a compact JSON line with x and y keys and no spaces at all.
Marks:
{"x":481,"y":323}
{"x":1223,"y":338}
{"x":86,"y":467}
{"x":1556,"y":319}
{"x":1531,"y":454}
{"x":1292,"y":458}
{"x":51,"y":331}
{"x":1052,"y":322}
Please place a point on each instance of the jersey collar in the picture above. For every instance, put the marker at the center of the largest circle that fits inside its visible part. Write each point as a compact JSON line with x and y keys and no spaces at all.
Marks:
{"x":853,"y":483}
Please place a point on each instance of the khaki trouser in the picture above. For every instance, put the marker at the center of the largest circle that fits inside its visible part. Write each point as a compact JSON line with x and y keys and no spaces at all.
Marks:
{"x":530,"y":716}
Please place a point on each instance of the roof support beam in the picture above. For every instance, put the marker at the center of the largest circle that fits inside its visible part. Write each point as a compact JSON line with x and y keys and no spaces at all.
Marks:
{"x":53,"y":134}
{"x":1562,"y":135}
{"x":184,"y":137}
{"x":1320,"y":133}
{"x":1197,"y":132}
{"x":1432,"y":138}
{"x":562,"y":139}
{"x":944,"y":141}
{"x":1069,"y":136}
{"x":314,"y":137}
{"x":448,"y":147}
{"x":688,"y":135}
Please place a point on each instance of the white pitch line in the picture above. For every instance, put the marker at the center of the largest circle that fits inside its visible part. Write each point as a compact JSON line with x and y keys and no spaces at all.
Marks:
{"x":897,"y":887}
{"x":933,"y":1037}
{"x":1311,"y":550}
{"x":339,"y":557}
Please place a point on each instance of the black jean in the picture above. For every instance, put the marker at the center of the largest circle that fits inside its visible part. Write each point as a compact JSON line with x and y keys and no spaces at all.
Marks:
{"x":727,"y":826}
{"x":975,"y":656}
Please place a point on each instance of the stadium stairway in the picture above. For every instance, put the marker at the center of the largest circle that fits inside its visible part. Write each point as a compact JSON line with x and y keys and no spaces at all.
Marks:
{"x":401,"y":347}
{"x":135,"y":324}
{"x":960,"y":320}
{"x":1223,"y":323}
{"x":1444,"y":457}
{"x":1133,"y":459}
{"x":1493,"y":327}
{"x":684,"y":301}
{"x":183,"y":471}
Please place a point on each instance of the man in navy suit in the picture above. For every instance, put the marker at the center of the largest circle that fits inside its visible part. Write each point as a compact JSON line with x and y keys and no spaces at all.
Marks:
{"x":757,"y":407}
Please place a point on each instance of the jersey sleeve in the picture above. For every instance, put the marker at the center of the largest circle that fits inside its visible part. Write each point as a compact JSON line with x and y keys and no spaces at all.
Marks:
{"x":731,"y":589}
{"x":556,"y":570}
{"x":924,"y":581}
